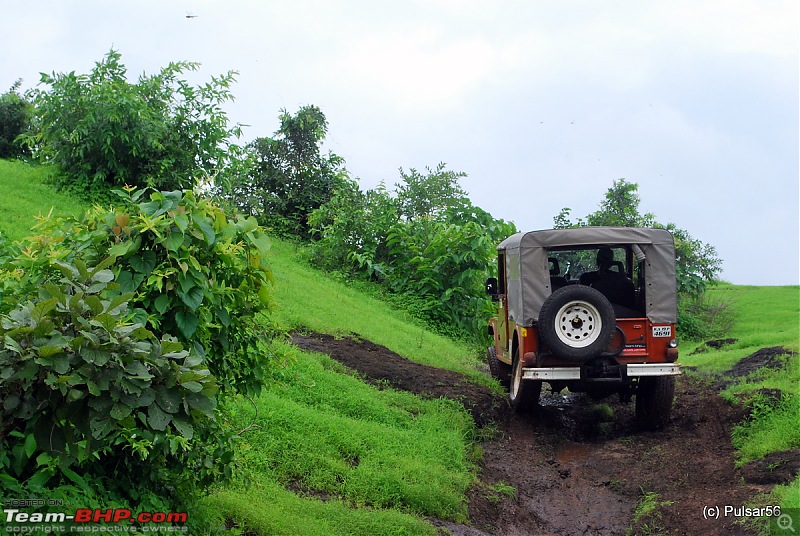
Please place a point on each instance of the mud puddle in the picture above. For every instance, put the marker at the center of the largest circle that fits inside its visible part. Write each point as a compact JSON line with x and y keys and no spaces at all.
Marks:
{"x":576,"y":466}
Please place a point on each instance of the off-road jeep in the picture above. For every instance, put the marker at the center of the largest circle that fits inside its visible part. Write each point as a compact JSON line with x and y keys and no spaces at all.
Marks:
{"x":592,"y":309}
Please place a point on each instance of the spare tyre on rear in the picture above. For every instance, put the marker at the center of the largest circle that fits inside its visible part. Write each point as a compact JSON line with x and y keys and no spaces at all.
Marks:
{"x":576,"y":322}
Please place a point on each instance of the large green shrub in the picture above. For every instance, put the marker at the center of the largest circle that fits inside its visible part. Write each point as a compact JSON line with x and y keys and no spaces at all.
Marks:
{"x":350,"y":230}
{"x":429,"y":245}
{"x":119,"y":332}
{"x":86,"y":389}
{"x":442,"y":266}
{"x":104,"y":131}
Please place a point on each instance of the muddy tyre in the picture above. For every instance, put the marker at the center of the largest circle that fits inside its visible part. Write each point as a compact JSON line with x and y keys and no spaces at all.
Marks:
{"x":576,"y":322}
{"x":498,"y":369}
{"x":654,"y":401}
{"x":523,"y":394}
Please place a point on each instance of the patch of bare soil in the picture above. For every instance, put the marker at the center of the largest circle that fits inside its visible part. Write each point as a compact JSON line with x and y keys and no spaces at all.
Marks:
{"x":579,"y":467}
{"x":766,"y":357}
{"x":716,"y":344}
{"x":379,"y":365}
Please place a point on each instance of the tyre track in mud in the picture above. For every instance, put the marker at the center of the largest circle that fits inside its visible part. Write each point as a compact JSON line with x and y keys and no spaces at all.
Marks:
{"x":577,"y":466}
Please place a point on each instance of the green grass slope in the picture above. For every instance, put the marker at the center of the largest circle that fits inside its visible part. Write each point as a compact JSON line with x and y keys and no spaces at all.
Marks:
{"x":307,"y":299}
{"x":360,"y":459}
{"x":766,"y":317}
{"x":27,"y":195}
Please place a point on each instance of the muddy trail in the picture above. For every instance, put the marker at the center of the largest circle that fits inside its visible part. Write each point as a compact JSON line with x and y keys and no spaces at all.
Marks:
{"x":581,"y":467}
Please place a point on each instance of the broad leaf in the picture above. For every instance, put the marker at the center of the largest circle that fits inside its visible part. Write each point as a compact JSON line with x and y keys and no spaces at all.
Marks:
{"x":162,"y":303}
{"x":157,"y":419}
{"x":187,"y":322}
{"x":143,"y":262}
{"x":193,"y":298}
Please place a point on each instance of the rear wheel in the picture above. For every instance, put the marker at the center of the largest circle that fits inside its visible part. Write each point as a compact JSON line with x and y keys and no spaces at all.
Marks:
{"x":497,"y":368}
{"x":654,"y":401}
{"x":523,"y":394}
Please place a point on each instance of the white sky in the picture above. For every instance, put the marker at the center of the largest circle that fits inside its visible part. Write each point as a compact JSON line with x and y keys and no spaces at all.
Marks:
{"x":542,"y":103}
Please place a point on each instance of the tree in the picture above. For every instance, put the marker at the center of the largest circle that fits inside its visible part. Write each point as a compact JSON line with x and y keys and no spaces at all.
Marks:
{"x":697,"y":264}
{"x":289,"y":177}
{"x":15,"y":120}
{"x":427,"y":196}
{"x":620,"y":207}
{"x":103,"y":131}
{"x":349,"y":231}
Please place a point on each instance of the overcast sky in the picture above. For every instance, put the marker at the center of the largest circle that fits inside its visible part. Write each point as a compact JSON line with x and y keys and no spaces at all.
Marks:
{"x":542,"y":103}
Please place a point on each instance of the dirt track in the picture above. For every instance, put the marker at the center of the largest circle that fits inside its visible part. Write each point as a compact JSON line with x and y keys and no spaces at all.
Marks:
{"x":579,"y":467}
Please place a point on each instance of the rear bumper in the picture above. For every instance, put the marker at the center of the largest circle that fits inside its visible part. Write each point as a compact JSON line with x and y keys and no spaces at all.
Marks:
{"x":653,"y":369}
{"x":574,"y":373}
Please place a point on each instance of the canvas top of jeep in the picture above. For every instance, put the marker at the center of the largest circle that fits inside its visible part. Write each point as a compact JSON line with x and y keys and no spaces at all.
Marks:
{"x":590,"y":308}
{"x":535,"y":258}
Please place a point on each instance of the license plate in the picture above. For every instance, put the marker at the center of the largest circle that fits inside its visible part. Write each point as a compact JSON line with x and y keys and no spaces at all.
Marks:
{"x":662,"y":331}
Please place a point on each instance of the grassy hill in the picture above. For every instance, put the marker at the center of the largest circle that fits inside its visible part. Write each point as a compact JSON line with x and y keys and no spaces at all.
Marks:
{"x":27,"y":195}
{"x":322,"y":452}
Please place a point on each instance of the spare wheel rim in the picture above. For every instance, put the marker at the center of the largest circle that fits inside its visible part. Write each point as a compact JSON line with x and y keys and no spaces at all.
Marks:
{"x":578,"y":324}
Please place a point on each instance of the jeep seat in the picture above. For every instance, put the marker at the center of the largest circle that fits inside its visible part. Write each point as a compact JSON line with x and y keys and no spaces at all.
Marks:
{"x":616,"y":287}
{"x":557,"y":281}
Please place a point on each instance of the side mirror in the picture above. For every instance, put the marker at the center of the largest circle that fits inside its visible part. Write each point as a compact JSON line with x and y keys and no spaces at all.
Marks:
{"x":491,"y":288}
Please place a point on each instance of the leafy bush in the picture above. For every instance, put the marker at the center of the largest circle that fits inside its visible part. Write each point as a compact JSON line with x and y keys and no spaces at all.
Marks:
{"x":445,"y":265}
{"x":82,"y":385}
{"x":102,"y":131}
{"x":197,"y":275}
{"x":119,"y":332}
{"x":428,"y":245}
{"x":704,"y":317}
{"x":351,"y":229}
{"x":15,"y":119}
